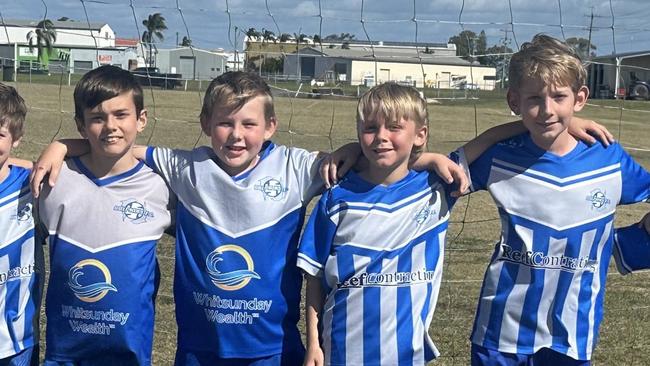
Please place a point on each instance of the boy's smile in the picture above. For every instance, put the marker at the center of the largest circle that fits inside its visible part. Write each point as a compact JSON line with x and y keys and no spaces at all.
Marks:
{"x":237,"y":137}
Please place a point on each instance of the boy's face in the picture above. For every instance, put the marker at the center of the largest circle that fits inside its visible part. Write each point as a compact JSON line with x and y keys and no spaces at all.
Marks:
{"x":388,"y":144}
{"x":546,"y":110}
{"x":7,"y":142}
{"x":237,"y":136}
{"x":112,"y":126}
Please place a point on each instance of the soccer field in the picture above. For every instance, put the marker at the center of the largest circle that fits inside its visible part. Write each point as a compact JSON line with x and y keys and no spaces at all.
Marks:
{"x":323,"y":124}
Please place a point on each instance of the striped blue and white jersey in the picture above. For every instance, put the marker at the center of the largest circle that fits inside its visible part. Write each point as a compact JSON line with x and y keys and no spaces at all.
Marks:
{"x":545,"y":284}
{"x":236,"y":284}
{"x":379,"y":251}
{"x":21,"y":265}
{"x":103,"y":269}
{"x":631,"y":249}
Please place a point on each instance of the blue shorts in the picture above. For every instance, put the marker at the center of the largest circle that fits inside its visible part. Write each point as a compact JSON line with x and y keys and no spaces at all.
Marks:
{"x":26,"y":357}
{"x":482,"y":356}
{"x":184,"y":358}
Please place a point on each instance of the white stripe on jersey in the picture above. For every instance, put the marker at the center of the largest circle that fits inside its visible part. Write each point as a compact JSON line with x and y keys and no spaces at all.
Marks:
{"x":5,"y":337}
{"x":433,"y":299}
{"x":327,"y":313}
{"x":7,"y":198}
{"x":388,"y":309}
{"x":26,"y":258}
{"x":355,"y":206}
{"x":543,"y":336}
{"x":552,"y":186}
{"x":418,"y":297}
{"x":106,"y":247}
{"x":555,"y":178}
{"x":488,"y":292}
{"x":354,"y":318}
{"x":512,"y":318}
{"x":595,"y":287}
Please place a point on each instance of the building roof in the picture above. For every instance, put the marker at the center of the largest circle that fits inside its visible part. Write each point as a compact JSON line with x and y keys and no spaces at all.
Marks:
{"x":68,"y":24}
{"x":390,"y":55}
{"x":622,"y":55}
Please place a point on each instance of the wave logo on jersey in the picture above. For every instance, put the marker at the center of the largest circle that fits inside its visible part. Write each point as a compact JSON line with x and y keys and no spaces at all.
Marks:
{"x":92,"y":292}
{"x":133,"y":211}
{"x":236,"y":257}
{"x":271,"y":188}
{"x":598,"y":199}
{"x":423,"y":215}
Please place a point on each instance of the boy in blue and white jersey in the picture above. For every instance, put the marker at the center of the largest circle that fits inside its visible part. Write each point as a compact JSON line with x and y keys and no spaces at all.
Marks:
{"x":543,"y":291}
{"x":374,"y":244}
{"x":21,"y":259}
{"x":104,"y":218}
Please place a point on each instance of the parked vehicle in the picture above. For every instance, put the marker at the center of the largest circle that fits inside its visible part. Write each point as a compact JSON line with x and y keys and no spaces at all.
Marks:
{"x":639,"y":90}
{"x":152,"y":76}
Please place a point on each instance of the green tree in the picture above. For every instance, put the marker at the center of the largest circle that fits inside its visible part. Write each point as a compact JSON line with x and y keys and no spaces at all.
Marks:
{"x":285,"y":37}
{"x":498,"y":56}
{"x":186,"y":42}
{"x":268,"y":35}
{"x":155,"y":25}
{"x":469,"y":44}
{"x":583,"y":47}
{"x":43,"y":38}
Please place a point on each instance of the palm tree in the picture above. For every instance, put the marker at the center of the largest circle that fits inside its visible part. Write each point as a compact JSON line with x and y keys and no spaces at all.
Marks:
{"x":43,"y":37}
{"x":285,"y":37}
{"x":155,"y":25}
{"x":268,"y":35}
{"x":186,"y":42}
{"x":299,"y":38}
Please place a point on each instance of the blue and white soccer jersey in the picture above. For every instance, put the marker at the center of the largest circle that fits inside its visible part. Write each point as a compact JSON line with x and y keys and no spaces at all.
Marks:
{"x":236,"y":285}
{"x":21,"y":266}
{"x":545,"y":284}
{"x":379,"y":251}
{"x":103,"y":268}
{"x":631,"y":249}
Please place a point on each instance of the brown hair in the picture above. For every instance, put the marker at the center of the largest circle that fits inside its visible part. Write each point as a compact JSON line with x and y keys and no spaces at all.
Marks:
{"x":394,"y":102}
{"x":102,"y":84}
{"x":231,"y":90}
{"x":12,"y":111}
{"x":549,"y":60}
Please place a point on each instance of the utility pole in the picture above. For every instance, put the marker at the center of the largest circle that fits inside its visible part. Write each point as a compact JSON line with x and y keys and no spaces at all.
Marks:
{"x":591,"y":25}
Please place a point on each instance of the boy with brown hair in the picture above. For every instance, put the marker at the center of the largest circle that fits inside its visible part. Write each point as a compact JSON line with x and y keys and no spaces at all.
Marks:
{"x":21,"y":259}
{"x":542,"y":296}
{"x":104,"y":218}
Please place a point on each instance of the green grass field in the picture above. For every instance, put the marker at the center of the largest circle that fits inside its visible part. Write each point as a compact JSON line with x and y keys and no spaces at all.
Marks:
{"x":323,"y":124}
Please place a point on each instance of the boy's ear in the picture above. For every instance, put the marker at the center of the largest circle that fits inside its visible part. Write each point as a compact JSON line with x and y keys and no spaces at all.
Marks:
{"x":513,"y":101}
{"x":80,"y":127}
{"x":581,"y":98}
{"x":16,"y":143}
{"x":142,"y":120}
{"x":205,"y":125}
{"x":271,"y":126}
{"x":421,"y":135}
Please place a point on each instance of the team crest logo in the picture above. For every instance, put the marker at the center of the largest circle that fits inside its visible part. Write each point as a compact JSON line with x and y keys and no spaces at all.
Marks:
{"x":271,"y":188}
{"x":230,"y":267}
{"x":133,"y":211}
{"x":598,"y":199}
{"x":24,"y":214}
{"x":95,"y":290}
{"x":423,"y":215}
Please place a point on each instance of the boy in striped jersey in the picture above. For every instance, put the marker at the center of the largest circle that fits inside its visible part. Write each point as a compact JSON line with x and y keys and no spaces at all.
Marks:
{"x":21,"y":264}
{"x":542,"y":296}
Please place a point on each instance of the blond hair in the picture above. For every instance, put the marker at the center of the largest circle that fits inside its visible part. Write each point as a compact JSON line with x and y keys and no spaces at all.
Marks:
{"x":549,"y":60}
{"x":12,"y":111}
{"x":231,"y":90}
{"x":394,"y":102}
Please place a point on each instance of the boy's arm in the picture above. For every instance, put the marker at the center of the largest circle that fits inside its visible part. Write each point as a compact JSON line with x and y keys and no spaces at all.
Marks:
{"x":51,"y":160}
{"x":583,"y":129}
{"x":336,"y":164}
{"x":313,"y":305}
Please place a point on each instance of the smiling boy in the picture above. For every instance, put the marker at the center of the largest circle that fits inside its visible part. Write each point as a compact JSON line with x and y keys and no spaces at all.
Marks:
{"x":104,"y":218}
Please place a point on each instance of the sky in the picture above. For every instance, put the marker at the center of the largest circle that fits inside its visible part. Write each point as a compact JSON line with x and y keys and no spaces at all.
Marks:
{"x":616,"y":25}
